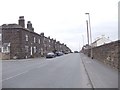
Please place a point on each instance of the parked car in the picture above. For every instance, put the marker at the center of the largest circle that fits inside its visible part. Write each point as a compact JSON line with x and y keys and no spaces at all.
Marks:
{"x":50,"y":55}
{"x":65,"y":52}
{"x":59,"y":53}
{"x":76,"y":52}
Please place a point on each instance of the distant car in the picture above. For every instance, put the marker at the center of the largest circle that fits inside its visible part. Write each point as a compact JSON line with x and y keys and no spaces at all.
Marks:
{"x":50,"y":55}
{"x":59,"y":53}
{"x":65,"y":52}
{"x":76,"y":52}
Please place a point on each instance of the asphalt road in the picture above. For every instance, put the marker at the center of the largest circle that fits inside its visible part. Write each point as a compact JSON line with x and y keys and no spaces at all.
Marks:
{"x":67,"y":71}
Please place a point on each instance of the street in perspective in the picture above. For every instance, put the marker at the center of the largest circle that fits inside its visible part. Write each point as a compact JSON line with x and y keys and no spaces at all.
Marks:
{"x":69,"y":71}
{"x":63,"y":45}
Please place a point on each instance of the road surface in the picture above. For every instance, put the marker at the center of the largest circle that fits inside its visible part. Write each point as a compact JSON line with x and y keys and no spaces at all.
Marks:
{"x":68,"y":71}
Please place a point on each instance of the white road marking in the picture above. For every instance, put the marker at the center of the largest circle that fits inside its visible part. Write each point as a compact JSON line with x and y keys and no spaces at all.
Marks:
{"x":22,"y":72}
{"x":14,"y":76}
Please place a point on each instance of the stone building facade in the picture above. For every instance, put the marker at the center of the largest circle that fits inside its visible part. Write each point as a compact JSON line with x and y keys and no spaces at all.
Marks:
{"x":19,"y":42}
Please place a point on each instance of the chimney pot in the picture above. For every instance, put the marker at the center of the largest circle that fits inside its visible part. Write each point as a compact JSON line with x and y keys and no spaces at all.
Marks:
{"x":21,"y":21}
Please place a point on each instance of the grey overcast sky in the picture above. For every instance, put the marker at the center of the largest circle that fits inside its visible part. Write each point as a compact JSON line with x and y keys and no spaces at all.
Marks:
{"x":65,"y":20}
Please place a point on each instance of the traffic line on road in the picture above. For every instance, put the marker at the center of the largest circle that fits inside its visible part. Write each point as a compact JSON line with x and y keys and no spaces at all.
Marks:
{"x":21,"y":73}
{"x":14,"y":76}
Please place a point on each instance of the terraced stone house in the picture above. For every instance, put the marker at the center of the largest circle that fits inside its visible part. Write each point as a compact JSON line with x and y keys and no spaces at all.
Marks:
{"x":18,"y":42}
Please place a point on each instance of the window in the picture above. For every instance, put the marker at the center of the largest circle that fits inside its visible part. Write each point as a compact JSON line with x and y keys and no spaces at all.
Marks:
{"x":41,"y":49}
{"x":5,"y":48}
{"x":34,"y":49}
{"x":26,"y":48}
{"x":39,"y":41}
{"x":34,"y":39}
{"x":26,"y":37}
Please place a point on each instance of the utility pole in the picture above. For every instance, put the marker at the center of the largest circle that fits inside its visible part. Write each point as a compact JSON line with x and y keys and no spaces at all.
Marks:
{"x":90,"y":35}
{"x":87,"y":32}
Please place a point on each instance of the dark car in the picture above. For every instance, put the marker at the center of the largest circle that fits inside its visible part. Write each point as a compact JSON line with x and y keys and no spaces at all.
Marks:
{"x":59,"y":53}
{"x":50,"y":55}
{"x":65,"y":52}
{"x":76,"y":52}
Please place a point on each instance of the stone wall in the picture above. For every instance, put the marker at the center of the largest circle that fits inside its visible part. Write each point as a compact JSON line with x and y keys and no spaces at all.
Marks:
{"x":109,"y":53}
{"x":5,"y":56}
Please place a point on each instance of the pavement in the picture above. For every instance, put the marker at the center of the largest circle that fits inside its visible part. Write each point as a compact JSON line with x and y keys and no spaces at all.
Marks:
{"x":101,"y":75}
{"x":73,"y":70}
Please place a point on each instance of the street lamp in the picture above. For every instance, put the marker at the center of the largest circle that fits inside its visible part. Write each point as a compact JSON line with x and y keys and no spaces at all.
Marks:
{"x":87,"y":31}
{"x":90,"y":34}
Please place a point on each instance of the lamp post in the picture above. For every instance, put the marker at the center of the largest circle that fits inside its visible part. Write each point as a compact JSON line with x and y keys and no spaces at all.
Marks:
{"x":87,"y":31}
{"x":90,"y":34}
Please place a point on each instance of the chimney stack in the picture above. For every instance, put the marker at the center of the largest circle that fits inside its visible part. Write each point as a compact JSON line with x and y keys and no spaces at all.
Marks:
{"x":42,"y":34}
{"x":29,"y":26}
{"x":21,"y":21}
